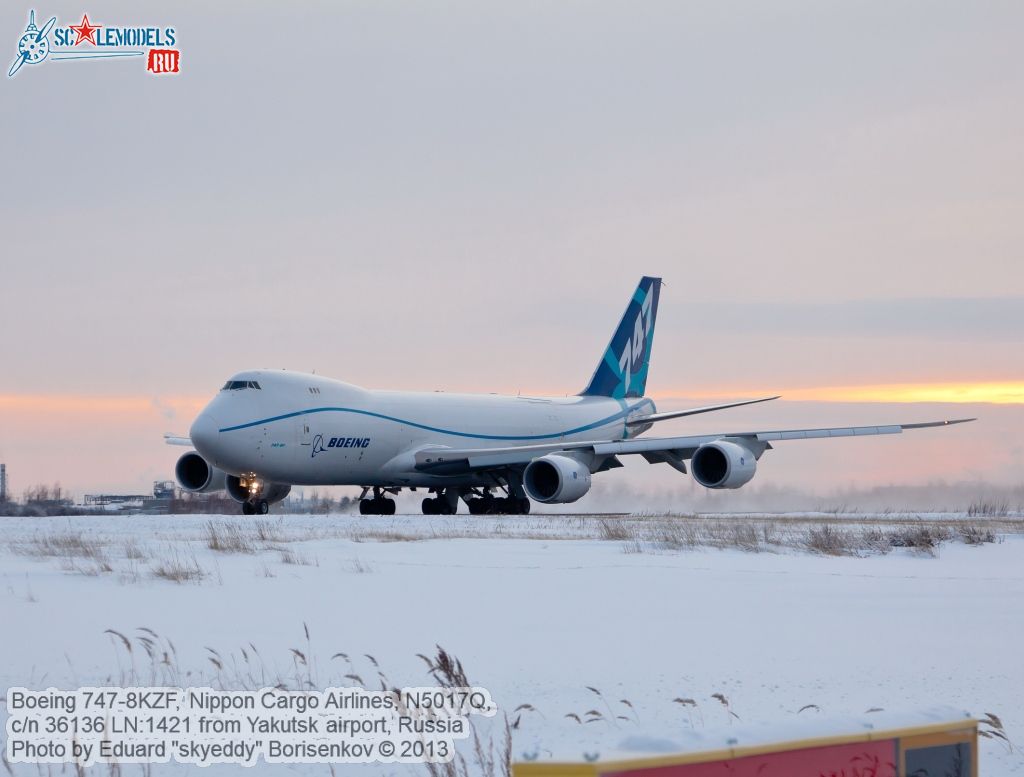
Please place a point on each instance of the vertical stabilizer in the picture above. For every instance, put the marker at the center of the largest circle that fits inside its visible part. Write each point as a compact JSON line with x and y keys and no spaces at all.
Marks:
{"x":622,"y":372}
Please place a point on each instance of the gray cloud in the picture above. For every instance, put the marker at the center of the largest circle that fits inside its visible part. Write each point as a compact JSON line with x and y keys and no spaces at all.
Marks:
{"x":462,"y":196}
{"x":958,"y":319}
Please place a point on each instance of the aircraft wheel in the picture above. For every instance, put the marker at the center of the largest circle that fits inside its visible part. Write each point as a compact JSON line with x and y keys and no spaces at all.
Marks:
{"x":524,"y":505}
{"x":476,"y":506}
{"x":364,"y":507}
{"x":248,"y":509}
{"x":428,"y":506}
{"x":387,"y":506}
{"x":262,"y":507}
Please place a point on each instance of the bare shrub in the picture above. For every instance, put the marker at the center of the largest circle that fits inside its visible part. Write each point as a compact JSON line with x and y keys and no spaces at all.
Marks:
{"x":923,"y":538}
{"x":973,"y":534}
{"x":874,"y":540}
{"x":985,"y":508}
{"x":830,"y":541}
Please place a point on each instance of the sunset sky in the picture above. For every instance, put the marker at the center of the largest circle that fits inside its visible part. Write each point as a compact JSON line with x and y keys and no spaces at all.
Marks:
{"x":462,"y":196}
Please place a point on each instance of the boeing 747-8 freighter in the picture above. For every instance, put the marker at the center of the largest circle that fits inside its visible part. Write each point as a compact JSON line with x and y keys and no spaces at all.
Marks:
{"x":268,"y":430}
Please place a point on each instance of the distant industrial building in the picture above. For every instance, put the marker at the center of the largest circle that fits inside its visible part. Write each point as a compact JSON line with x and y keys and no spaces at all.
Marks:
{"x":3,"y":483}
{"x":163,"y":492}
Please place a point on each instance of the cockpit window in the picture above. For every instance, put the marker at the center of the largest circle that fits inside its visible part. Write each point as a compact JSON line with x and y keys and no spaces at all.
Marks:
{"x":236,"y":385}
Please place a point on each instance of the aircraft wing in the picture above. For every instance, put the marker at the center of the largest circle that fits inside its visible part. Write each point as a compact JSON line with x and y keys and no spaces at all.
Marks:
{"x":673,"y":450}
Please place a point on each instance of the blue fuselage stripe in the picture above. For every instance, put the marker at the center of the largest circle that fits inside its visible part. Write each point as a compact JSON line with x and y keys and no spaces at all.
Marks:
{"x":622,"y":414}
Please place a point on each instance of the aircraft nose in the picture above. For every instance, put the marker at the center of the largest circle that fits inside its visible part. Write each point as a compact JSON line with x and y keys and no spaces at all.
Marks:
{"x":204,"y":433}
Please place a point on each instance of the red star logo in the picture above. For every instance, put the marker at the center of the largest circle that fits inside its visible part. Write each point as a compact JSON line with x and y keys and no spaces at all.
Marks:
{"x":85,"y":31}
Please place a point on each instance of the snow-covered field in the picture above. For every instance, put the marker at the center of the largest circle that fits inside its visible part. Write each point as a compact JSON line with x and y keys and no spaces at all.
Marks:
{"x":539,"y":608}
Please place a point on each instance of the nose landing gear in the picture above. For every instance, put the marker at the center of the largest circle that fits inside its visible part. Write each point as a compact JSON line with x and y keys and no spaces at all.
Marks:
{"x":259,"y":507}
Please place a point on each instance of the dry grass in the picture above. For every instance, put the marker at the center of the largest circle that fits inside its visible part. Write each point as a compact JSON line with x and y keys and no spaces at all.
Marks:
{"x":358,"y":566}
{"x":781,"y":534}
{"x":68,"y":544}
{"x":147,"y":658}
{"x":78,"y":554}
{"x":290,"y":556}
{"x":134,"y":551}
{"x":93,"y":567}
{"x":178,"y":569}
{"x":129,"y":574}
{"x":616,"y":530}
{"x":230,"y":537}
{"x":393,"y":535}
{"x":267,"y":531}
{"x":830,"y":541}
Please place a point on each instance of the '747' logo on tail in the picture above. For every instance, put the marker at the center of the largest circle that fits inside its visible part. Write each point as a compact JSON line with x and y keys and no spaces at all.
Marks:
{"x":636,"y":347}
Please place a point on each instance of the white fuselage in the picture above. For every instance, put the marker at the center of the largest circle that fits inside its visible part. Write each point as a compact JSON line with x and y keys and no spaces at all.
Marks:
{"x":308,"y":430}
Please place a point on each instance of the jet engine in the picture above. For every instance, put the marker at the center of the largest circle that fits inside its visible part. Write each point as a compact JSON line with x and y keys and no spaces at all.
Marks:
{"x":723,"y":464}
{"x":253,"y":489}
{"x":555,"y":478}
{"x":197,"y":475}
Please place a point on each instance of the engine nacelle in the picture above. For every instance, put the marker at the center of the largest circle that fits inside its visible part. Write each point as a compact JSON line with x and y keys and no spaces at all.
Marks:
{"x":196,"y":475}
{"x":723,"y":464}
{"x":556,"y":479}
{"x":243,"y":489}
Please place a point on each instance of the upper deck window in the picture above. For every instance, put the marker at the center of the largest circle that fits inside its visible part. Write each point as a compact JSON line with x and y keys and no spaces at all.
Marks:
{"x":235,"y":385}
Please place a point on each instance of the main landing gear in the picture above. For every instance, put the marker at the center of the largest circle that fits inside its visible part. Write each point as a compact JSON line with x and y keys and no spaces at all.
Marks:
{"x":437,"y":506}
{"x":479,"y":502}
{"x":259,"y":507}
{"x":379,"y":505}
{"x":492,"y":505}
{"x":445,"y":501}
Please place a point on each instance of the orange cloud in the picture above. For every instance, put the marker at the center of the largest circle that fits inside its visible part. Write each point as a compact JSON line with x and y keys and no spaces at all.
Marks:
{"x":72,"y":404}
{"x":997,"y":392}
